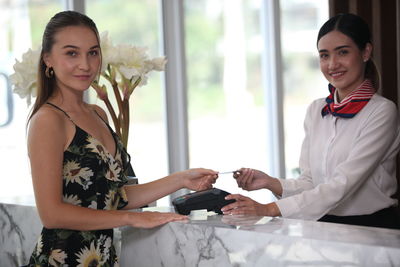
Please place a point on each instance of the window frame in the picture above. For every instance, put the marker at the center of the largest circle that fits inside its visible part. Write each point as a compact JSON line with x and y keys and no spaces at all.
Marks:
{"x":175,"y":84}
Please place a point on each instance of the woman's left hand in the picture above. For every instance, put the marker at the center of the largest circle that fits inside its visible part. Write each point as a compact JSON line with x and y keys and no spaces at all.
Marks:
{"x":247,"y":206}
{"x":198,"y":179}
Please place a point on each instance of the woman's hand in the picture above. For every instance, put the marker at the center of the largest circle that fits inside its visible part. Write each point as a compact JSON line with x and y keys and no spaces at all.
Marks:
{"x":247,"y":206}
{"x":194,"y":179}
{"x":250,"y":179}
{"x":149,"y":219}
{"x":198,"y":179}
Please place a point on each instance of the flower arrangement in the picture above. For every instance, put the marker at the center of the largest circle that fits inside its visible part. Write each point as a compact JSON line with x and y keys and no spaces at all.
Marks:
{"x":124,"y":67}
{"x":25,"y":75}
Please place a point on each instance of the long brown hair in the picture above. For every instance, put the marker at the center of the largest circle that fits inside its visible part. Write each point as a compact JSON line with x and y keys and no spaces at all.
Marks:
{"x":46,"y":85}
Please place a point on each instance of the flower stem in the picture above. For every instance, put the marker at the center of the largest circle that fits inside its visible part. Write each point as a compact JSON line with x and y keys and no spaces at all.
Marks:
{"x":117,"y":96}
{"x":125,"y":127}
{"x":114,"y":117}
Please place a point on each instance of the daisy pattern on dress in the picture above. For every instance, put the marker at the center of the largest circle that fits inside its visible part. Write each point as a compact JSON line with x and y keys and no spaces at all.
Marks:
{"x":105,"y":243}
{"x":118,"y":158}
{"x":86,"y":184}
{"x":112,"y":200}
{"x":122,"y":193}
{"x":93,"y":205}
{"x":113,"y":171}
{"x":90,"y":256}
{"x":39,"y":245}
{"x":73,"y":173}
{"x":57,"y":257}
{"x":86,"y":164}
{"x":96,"y":147}
{"x":72,"y":199}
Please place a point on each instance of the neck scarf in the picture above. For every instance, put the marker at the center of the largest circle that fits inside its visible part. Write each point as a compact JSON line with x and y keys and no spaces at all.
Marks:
{"x":351,"y":104}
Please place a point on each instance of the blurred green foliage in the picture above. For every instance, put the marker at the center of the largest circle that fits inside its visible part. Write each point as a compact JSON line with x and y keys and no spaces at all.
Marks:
{"x":40,"y":12}
{"x":204,"y":33}
{"x":137,"y":22}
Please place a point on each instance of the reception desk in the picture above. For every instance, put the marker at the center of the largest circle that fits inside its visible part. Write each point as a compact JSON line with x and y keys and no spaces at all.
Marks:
{"x":214,"y":240}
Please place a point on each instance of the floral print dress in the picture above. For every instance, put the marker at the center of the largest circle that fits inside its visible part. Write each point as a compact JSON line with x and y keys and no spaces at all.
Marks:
{"x":92,"y":178}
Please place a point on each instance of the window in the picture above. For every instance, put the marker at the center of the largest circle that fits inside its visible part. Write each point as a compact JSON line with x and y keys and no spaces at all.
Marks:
{"x":21,"y":28}
{"x":227,"y":107}
{"x":227,"y":114}
{"x":227,"y":104}
{"x":303,"y":81}
{"x":137,"y":25}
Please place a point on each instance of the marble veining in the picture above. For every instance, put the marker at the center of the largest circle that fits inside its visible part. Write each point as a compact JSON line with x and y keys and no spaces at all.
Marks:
{"x":19,"y":229}
{"x":215,"y":240}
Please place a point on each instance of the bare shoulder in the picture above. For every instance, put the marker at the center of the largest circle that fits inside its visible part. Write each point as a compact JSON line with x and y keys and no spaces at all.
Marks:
{"x":47,"y":117}
{"x":47,"y":125}
{"x":99,"y":111}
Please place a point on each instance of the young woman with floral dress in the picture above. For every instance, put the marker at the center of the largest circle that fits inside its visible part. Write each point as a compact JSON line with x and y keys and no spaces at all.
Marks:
{"x":78,"y":162}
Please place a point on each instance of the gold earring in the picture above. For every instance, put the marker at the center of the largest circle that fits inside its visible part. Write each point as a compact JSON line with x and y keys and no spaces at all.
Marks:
{"x":49,"y":72}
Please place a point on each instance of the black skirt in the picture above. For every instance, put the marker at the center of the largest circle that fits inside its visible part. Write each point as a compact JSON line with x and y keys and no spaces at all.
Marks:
{"x":385,"y":218}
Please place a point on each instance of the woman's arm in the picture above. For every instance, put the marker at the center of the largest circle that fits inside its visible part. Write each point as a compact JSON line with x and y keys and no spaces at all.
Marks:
{"x":143,"y":194}
{"x":193,"y":179}
{"x":371,"y":143}
{"x":47,"y":139}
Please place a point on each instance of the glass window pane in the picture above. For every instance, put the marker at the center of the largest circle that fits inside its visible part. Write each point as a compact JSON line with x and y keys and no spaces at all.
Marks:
{"x":21,"y":27}
{"x":227,"y":113}
{"x":227,"y":110}
{"x":303,"y":81}
{"x":135,"y":22}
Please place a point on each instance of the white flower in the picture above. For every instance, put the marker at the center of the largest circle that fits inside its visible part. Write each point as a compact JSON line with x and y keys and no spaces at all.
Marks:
{"x":113,"y":171}
{"x":74,"y":173}
{"x":111,"y":202}
{"x":107,"y":50}
{"x":89,"y":257}
{"x":25,"y":76}
{"x":86,"y":184}
{"x":93,"y":205}
{"x":39,"y":245}
{"x":72,"y":199}
{"x":107,"y":245}
{"x":157,"y":64}
{"x":96,"y":147}
{"x":130,"y":61}
{"x":122,"y":193}
{"x":105,"y":242}
{"x":57,"y":257}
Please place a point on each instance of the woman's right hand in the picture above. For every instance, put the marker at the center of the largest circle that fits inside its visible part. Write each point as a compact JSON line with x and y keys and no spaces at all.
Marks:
{"x":151,"y":219}
{"x":250,"y":179}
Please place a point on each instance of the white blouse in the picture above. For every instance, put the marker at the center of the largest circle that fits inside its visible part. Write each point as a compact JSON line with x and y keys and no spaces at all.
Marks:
{"x":348,"y":166}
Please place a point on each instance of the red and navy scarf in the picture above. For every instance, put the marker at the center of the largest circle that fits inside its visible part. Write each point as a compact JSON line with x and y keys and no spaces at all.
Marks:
{"x":351,"y":104}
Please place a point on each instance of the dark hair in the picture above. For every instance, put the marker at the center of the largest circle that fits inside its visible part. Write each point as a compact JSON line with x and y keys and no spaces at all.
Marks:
{"x":357,"y":29}
{"x":45,"y":85}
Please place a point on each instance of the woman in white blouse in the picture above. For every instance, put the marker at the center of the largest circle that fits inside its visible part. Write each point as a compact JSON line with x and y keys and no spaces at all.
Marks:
{"x":348,"y":157}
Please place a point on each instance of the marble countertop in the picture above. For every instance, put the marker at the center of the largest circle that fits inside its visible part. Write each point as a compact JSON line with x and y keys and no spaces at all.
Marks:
{"x":331,"y":232}
{"x":208,"y":239}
